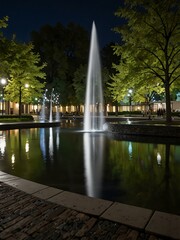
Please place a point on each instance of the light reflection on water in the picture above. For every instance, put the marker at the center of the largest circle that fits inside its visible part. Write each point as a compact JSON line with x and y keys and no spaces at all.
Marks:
{"x":142,"y":174}
{"x":93,"y":162}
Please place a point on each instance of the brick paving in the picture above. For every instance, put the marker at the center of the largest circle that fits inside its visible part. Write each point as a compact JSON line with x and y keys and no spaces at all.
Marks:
{"x":23,"y":216}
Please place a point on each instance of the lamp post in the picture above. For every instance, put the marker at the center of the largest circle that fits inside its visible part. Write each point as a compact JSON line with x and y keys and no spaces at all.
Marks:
{"x":130,"y":99}
{"x":26,"y":85}
{"x":3,"y":82}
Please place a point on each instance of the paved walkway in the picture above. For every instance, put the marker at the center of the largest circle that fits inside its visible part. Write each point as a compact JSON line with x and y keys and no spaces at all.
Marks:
{"x":34,"y":211}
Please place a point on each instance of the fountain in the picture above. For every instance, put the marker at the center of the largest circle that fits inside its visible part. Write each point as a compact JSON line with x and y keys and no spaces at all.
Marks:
{"x":93,"y":114}
{"x":43,"y":109}
{"x":50,"y":111}
{"x":51,"y":100}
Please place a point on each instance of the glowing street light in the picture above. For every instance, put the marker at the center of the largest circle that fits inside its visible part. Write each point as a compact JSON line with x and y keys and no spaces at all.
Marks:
{"x":3,"y":81}
{"x":130,"y":98}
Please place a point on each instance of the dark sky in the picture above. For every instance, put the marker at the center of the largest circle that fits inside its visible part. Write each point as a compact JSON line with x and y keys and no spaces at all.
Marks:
{"x":28,"y":15}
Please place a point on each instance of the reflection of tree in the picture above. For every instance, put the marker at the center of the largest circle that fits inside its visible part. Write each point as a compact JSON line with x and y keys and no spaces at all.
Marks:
{"x":27,"y":163}
{"x":167,"y":175}
{"x":141,"y":179}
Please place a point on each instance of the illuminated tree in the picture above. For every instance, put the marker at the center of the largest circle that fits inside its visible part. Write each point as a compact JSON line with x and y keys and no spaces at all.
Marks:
{"x":21,"y":66}
{"x":24,"y":74}
{"x":150,"y":49}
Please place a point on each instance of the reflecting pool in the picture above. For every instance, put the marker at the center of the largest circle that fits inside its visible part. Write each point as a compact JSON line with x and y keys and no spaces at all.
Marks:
{"x":95,"y":164}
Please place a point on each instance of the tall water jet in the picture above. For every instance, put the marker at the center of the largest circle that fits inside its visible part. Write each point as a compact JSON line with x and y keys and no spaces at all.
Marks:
{"x":50,"y":111}
{"x":94,"y":104}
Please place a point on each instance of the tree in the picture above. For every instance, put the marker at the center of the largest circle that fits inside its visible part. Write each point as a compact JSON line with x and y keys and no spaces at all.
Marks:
{"x":108,"y":57}
{"x":3,"y":23}
{"x":21,"y":66}
{"x":79,"y":83}
{"x":64,"y":49}
{"x":23,"y":74}
{"x":150,"y":49}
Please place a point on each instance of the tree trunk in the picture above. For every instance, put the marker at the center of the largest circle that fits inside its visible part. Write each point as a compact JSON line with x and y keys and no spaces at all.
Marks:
{"x":168,"y":103}
{"x":116,"y":106}
{"x":20,"y":102}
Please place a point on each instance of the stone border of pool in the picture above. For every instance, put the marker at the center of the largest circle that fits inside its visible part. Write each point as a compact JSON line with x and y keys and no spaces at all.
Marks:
{"x":134,"y":129}
{"x":140,"y":129}
{"x":20,"y":125}
{"x":153,"y":222}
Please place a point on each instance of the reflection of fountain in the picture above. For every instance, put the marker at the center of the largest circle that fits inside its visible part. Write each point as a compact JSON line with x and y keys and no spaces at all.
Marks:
{"x":57,"y":137}
{"x":48,"y":142}
{"x":43,"y":142}
{"x":50,"y":111}
{"x":93,"y":115}
{"x":51,"y":147}
{"x":57,"y":114}
{"x":93,"y":157}
{"x":2,"y":143}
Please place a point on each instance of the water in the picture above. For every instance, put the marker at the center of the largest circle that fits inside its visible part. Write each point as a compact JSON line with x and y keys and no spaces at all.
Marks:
{"x":93,"y":115}
{"x":95,"y":164}
{"x":51,"y":102}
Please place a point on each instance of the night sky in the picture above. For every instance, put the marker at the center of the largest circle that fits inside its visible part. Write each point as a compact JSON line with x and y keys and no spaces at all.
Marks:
{"x":28,"y":15}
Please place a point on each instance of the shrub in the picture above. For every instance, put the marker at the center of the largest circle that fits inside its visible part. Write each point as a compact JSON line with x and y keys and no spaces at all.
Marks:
{"x":16,"y":118}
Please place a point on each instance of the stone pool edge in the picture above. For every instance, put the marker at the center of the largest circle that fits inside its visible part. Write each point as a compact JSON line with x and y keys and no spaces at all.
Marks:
{"x":155,"y":222}
{"x":151,"y":130}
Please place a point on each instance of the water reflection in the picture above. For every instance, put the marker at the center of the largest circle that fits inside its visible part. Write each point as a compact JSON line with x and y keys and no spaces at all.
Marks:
{"x":158,"y":158}
{"x":93,"y":162}
{"x":2,"y":142}
{"x":51,"y":144}
{"x":13,"y":160}
{"x":138,"y":173}
{"x":57,"y":137}
{"x":130,"y":150}
{"x":49,"y":140}
{"x":27,"y":146}
{"x":43,"y":142}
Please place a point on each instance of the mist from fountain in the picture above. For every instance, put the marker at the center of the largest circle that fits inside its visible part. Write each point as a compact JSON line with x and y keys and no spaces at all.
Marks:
{"x":94,"y":104}
{"x":50,"y":111}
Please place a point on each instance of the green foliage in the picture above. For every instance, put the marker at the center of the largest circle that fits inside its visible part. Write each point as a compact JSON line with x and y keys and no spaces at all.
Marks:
{"x":23,"y":68}
{"x":150,"y":49}
{"x":16,"y":118}
{"x":3,"y":22}
{"x":64,"y":49}
{"x":79,"y":83}
{"x":20,"y":66}
{"x":107,"y":57}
